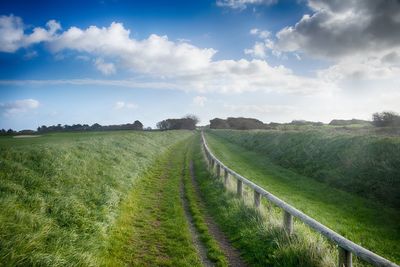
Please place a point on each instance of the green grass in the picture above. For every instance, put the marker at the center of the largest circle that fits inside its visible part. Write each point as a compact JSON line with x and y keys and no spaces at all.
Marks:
{"x":61,"y":194}
{"x":366,"y":222}
{"x":258,"y":234}
{"x":151,"y":229}
{"x":360,"y":163}
{"x":197,"y":211}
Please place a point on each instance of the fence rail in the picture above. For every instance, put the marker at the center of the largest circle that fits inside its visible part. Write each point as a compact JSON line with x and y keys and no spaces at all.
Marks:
{"x":345,"y":246}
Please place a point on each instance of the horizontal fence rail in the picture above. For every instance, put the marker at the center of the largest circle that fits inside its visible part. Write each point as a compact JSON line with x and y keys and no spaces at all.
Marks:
{"x":345,"y":246}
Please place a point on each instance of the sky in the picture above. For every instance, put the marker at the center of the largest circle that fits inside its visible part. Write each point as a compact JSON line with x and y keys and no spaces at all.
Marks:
{"x":114,"y":61}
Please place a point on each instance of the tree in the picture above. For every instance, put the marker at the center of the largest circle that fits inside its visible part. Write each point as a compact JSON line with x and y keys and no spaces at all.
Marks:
{"x":42,"y":129}
{"x":188,"y":123}
{"x":192,"y":117}
{"x":162,"y":125}
{"x":237,"y":124}
{"x":137,"y":125}
{"x":218,"y":123}
{"x":385,"y":119}
{"x":245,"y":123}
{"x":96,"y":127}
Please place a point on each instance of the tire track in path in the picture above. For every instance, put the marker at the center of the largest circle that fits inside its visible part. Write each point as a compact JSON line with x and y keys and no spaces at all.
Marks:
{"x":231,"y":253}
{"x":201,"y":249}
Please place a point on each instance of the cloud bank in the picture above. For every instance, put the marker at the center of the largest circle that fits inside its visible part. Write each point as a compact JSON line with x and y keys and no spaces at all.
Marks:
{"x":179,"y":65}
{"x":18,"y":106}
{"x":361,"y":39}
{"x":242,"y":4}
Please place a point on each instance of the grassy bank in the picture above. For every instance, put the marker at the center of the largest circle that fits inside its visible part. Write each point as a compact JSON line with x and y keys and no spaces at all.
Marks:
{"x":368,"y":223}
{"x":363,"y":164}
{"x":60,"y":194}
{"x":258,"y":234}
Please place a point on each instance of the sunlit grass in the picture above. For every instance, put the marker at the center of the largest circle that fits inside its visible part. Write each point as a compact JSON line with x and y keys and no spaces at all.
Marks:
{"x":258,"y":233}
{"x":366,"y":222}
{"x":60,"y":194}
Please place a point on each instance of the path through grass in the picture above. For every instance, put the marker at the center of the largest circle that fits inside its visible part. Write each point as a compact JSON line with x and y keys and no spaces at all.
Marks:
{"x":155,"y":229}
{"x":60,"y":194}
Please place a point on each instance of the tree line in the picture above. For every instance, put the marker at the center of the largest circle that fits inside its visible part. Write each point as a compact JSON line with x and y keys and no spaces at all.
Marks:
{"x":136,"y":126}
{"x":189,"y":122}
{"x":241,"y":123}
{"x":382,"y":119}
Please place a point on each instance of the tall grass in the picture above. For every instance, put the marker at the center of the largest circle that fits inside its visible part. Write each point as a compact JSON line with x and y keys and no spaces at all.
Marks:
{"x":258,"y":233}
{"x":363,"y":164}
{"x":366,"y":222}
{"x":60,"y":194}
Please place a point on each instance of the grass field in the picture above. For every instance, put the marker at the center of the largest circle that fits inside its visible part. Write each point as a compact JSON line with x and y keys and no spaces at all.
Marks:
{"x":258,"y":234}
{"x":123,"y":199}
{"x":361,"y":163}
{"x":61,"y":194}
{"x":370,"y":224}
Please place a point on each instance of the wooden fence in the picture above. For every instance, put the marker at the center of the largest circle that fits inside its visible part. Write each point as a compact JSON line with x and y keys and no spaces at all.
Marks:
{"x":345,"y":246}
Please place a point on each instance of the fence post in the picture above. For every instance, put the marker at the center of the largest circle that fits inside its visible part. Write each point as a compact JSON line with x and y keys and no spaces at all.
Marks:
{"x":226,"y":174}
{"x":287,"y":222}
{"x":345,"y":258}
{"x":257,"y":199}
{"x":239,"y":187}
{"x":218,"y":170}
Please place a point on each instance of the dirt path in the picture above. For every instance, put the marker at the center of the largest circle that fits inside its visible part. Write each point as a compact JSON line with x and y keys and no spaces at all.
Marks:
{"x":232,"y":254}
{"x":201,"y":249}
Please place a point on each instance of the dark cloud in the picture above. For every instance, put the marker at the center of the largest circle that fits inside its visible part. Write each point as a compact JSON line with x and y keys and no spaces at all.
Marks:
{"x":340,"y":28}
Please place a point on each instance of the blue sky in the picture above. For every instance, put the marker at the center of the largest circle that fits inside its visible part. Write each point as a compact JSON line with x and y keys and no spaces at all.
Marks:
{"x":118,"y":61}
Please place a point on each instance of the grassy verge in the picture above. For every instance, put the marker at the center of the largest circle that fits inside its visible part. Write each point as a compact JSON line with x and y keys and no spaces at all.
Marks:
{"x":60,"y":194}
{"x":214,"y":252}
{"x":152,"y":229}
{"x":366,"y":164}
{"x":258,"y":234}
{"x":367,"y":223}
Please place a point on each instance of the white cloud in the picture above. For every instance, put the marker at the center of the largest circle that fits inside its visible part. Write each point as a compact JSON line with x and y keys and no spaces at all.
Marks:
{"x":12,"y":36}
{"x":18,"y":106}
{"x":242,"y":4}
{"x":193,"y":68}
{"x":154,"y":55}
{"x":254,"y":31}
{"x":259,"y":50}
{"x":259,"y":33}
{"x":199,"y":101}
{"x":224,"y":76}
{"x":259,"y":109}
{"x":124,"y":105}
{"x":103,"y":67}
{"x":11,"y":33}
